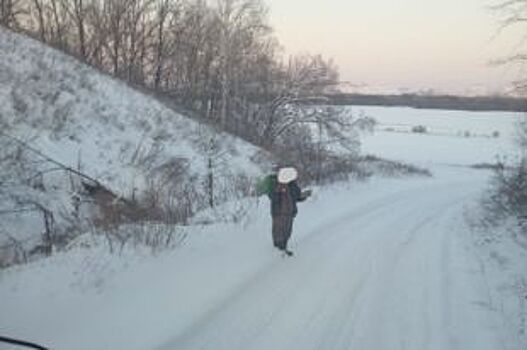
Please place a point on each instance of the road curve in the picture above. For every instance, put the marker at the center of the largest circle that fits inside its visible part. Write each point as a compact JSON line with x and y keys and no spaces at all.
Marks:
{"x":395,"y":272}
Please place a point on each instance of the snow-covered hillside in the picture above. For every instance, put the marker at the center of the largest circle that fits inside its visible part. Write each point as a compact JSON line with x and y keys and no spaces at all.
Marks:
{"x":99,"y":126}
{"x":78,"y":115}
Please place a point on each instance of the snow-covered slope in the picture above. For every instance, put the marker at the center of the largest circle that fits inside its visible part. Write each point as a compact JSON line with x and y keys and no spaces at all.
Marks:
{"x":98,"y":125}
{"x":79,"y":115}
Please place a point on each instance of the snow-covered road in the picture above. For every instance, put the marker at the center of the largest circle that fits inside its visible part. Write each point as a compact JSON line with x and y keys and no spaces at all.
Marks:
{"x":384,"y":264}
{"x":386,"y":270}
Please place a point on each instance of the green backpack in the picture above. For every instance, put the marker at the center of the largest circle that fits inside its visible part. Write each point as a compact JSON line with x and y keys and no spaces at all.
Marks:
{"x":266,"y":185}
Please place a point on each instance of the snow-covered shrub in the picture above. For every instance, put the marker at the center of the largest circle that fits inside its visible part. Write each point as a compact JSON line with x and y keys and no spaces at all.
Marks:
{"x":155,"y":236}
{"x":319,"y":166}
{"x":323,"y":152}
{"x":12,"y":251}
{"x":371,"y":165}
{"x":507,"y":196}
{"x":419,"y":129}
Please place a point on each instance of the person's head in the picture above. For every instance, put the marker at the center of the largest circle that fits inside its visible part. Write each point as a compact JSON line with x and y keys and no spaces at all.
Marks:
{"x":287,"y":175}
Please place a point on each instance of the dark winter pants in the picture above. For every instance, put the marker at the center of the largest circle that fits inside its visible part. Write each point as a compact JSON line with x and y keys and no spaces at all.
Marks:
{"x":282,"y":227}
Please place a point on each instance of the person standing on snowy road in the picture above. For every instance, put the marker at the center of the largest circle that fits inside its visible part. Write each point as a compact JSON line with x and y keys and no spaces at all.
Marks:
{"x":284,"y":196}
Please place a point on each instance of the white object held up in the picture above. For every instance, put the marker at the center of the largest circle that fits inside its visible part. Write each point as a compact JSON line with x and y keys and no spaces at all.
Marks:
{"x":286,"y":175}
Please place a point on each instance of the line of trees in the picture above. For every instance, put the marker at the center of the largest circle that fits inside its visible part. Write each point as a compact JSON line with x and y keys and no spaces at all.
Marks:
{"x":219,"y":58}
{"x":450,"y":102}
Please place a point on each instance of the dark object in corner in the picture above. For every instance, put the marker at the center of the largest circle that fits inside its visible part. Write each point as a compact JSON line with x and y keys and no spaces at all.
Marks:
{"x":21,"y":343}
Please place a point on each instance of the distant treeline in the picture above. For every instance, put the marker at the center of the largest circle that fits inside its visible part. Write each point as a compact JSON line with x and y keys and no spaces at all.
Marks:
{"x":481,"y":103}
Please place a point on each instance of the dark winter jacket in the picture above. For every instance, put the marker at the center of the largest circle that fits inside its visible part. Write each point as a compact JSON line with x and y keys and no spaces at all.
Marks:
{"x":284,"y":198}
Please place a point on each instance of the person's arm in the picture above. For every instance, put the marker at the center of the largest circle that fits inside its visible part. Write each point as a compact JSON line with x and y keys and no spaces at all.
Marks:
{"x":297,"y":193}
{"x":306,"y":194}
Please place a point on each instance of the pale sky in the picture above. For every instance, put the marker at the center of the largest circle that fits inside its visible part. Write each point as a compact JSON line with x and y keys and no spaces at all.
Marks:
{"x":445,"y":45}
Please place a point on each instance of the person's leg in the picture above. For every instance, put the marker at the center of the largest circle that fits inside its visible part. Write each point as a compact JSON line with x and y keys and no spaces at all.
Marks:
{"x":279,"y":227}
{"x":276,"y":231}
{"x":288,"y":229}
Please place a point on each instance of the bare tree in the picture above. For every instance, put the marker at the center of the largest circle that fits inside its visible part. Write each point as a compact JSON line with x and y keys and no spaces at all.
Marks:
{"x":507,"y":197}
{"x":301,"y":84}
{"x":10,"y":11}
{"x":163,"y":11}
{"x":78,"y":12}
{"x":239,"y":21}
{"x":513,"y":14}
{"x":39,"y":12}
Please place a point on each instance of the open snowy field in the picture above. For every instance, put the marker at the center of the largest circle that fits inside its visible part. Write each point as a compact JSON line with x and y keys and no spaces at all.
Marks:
{"x":383,"y":264}
{"x":451,"y":138}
